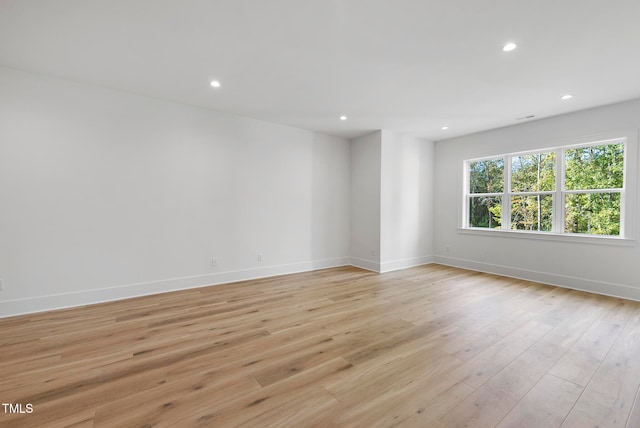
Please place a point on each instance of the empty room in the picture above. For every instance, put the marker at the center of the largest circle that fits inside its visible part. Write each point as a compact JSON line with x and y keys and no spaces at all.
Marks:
{"x":337,"y":213}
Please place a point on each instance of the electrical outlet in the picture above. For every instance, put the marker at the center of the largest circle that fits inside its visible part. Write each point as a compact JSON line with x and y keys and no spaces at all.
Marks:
{"x":259,"y":257}
{"x":214,"y":263}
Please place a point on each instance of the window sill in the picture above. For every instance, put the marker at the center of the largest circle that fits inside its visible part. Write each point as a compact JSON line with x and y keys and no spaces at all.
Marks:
{"x":548,"y":236}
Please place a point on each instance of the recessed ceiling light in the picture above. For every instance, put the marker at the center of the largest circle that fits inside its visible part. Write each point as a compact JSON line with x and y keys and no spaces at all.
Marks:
{"x":566,"y":97}
{"x":509,"y":47}
{"x":343,"y":117}
{"x":444,"y":128}
{"x":215,"y":84}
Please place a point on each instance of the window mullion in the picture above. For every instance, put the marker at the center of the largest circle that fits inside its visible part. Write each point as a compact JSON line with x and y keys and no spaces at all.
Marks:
{"x":623,"y":192}
{"x":506,"y":198}
{"x":558,"y":196}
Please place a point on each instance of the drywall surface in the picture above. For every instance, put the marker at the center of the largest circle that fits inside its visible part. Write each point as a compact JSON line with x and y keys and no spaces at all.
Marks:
{"x":365,"y":201}
{"x":106,"y":195}
{"x":604,"y":267}
{"x":406,"y":218}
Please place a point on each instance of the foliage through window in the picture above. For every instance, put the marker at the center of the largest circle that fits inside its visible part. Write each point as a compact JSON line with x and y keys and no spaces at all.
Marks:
{"x":573,"y":190}
{"x":486,"y":183}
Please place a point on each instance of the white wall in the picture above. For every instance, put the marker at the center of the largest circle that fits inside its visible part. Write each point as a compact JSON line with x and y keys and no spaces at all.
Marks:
{"x":365,"y":201}
{"x":606,"y":269}
{"x":106,"y":195}
{"x":391,"y":201}
{"x":406,"y":218}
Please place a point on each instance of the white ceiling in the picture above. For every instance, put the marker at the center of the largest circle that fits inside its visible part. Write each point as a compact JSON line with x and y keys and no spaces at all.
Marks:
{"x":404,"y":65}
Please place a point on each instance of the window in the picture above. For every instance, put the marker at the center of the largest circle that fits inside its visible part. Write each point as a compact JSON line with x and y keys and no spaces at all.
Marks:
{"x":532,"y":185}
{"x":594,"y":182}
{"x":486,"y":184}
{"x":566,"y":190}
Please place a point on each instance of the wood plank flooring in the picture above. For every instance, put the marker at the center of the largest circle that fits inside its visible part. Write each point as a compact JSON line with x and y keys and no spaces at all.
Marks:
{"x":431,"y":346}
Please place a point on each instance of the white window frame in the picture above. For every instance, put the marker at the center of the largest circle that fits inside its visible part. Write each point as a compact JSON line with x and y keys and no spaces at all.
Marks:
{"x":627,"y":192}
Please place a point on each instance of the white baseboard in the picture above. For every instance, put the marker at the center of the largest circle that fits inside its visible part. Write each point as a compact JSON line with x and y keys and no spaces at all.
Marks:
{"x":597,"y":287}
{"x":365,"y":264}
{"x":67,"y":300}
{"x":390,"y":266}
{"x":406,"y":263}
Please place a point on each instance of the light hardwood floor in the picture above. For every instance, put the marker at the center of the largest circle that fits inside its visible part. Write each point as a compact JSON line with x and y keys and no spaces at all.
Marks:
{"x":431,"y":346}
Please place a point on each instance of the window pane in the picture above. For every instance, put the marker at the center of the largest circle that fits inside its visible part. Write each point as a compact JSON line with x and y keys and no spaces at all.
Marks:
{"x":486,"y":176}
{"x":594,"y":167}
{"x":593,"y":213}
{"x":485,"y":211}
{"x":532,"y":212}
{"x":531,"y":173}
